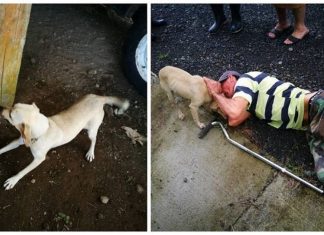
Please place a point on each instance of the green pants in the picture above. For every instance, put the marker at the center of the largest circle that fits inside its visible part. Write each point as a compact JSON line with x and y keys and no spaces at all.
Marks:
{"x":315,"y":132}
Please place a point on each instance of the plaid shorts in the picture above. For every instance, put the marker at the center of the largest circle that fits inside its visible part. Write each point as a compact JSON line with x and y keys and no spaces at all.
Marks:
{"x":315,"y":132}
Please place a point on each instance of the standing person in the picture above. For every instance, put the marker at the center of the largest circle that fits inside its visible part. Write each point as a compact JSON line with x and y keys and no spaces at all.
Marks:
{"x":220,"y":19}
{"x":157,"y":23}
{"x":283,"y":25}
{"x":281,"y":104}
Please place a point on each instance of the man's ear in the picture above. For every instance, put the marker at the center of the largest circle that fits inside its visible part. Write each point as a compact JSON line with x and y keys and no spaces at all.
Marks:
{"x":25,"y":132}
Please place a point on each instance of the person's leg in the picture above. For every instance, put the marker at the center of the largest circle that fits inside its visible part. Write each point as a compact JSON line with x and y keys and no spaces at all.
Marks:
{"x":219,"y":17}
{"x":282,"y":23}
{"x":315,"y":134}
{"x":235,"y":11}
{"x":300,"y":29}
{"x":317,"y":150}
{"x":236,"y":24}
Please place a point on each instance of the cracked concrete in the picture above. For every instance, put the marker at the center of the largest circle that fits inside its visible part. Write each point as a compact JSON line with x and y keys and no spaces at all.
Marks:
{"x":210,"y":185}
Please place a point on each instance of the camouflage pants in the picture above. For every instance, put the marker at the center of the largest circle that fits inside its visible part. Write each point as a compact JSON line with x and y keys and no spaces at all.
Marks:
{"x":315,"y":132}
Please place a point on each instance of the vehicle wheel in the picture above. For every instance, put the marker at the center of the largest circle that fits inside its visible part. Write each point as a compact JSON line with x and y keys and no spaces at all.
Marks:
{"x":135,"y":56}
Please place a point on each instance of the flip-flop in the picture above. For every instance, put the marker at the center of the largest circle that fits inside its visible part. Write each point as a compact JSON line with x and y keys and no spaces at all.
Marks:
{"x":278,"y":33}
{"x":295,"y":40}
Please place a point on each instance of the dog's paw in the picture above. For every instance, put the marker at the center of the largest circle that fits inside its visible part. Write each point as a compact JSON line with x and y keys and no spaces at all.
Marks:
{"x":90,"y":156}
{"x":181,"y":115}
{"x":10,"y":183}
{"x":201,"y":125}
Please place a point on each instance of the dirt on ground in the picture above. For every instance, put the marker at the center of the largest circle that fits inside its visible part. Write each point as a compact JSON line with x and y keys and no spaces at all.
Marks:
{"x":70,"y":51}
{"x":185,"y":43}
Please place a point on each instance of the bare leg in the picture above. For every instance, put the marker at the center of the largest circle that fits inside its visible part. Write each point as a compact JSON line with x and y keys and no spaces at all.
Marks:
{"x":300,"y":29}
{"x":14,"y":144}
{"x":282,"y":17}
{"x":282,"y":23}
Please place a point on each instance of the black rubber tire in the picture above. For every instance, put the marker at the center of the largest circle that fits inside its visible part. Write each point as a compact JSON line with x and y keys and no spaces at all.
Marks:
{"x":135,"y":34}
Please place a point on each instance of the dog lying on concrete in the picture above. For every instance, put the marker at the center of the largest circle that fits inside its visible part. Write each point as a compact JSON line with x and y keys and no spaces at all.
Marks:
{"x":41,"y":133}
{"x":192,"y":87}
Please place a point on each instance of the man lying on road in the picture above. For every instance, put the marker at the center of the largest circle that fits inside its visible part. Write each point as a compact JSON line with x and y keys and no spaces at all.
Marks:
{"x":280,"y":104}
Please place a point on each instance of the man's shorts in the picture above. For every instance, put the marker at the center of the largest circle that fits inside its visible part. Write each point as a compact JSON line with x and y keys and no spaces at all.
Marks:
{"x":316,"y":114}
{"x":315,"y":133}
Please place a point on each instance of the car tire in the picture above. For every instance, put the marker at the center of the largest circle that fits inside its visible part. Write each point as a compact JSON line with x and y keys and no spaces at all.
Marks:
{"x":134,"y":56}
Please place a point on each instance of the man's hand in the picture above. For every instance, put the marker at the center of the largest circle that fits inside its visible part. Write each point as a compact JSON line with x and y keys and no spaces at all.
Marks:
{"x":213,"y":87}
{"x":234,"y":109}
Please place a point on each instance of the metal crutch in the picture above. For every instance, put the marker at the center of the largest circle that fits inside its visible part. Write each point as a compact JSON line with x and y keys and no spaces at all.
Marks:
{"x":283,"y":170}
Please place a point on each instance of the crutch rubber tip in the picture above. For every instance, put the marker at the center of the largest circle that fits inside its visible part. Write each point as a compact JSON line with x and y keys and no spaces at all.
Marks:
{"x":205,"y":130}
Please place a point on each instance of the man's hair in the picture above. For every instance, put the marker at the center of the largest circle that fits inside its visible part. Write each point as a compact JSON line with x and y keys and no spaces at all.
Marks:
{"x":227,"y":73}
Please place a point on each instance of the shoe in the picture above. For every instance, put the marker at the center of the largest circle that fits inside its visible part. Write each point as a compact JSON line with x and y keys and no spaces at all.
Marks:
{"x":236,"y":26}
{"x":217,"y":26}
{"x":278,"y":33}
{"x":320,"y":176}
{"x":160,"y":22}
{"x":319,"y":169}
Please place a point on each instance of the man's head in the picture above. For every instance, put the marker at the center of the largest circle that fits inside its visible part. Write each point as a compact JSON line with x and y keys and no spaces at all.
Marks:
{"x":228,"y":81}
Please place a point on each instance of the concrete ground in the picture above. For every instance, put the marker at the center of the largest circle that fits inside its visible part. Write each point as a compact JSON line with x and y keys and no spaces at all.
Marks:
{"x":208,"y":184}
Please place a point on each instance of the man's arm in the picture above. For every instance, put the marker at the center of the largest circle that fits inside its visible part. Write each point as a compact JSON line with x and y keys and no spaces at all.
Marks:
{"x":234,"y":109}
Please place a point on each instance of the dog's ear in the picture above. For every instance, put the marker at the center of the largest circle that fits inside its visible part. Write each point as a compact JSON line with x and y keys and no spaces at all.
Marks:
{"x":35,"y":106}
{"x":26,"y":134}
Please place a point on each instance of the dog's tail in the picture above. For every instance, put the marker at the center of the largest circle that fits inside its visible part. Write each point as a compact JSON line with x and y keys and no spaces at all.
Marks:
{"x":121,"y":103}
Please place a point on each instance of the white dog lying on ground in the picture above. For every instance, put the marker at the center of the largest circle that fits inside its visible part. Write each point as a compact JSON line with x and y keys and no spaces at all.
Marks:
{"x":42,"y":133}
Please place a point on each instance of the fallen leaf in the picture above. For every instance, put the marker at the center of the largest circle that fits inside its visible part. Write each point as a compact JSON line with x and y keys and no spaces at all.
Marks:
{"x":134,"y":135}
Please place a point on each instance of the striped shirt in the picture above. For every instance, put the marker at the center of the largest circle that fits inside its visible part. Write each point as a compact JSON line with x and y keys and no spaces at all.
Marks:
{"x":280,"y":104}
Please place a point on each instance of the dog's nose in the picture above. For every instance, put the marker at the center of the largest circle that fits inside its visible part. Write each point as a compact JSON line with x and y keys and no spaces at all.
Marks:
{"x":1,"y":109}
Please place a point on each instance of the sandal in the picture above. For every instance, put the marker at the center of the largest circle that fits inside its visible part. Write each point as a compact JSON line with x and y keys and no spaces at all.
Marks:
{"x":295,"y":40}
{"x":278,"y":33}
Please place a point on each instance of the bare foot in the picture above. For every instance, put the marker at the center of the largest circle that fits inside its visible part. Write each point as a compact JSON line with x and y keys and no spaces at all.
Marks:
{"x":296,"y":36}
{"x":201,"y":125}
{"x":278,"y":30}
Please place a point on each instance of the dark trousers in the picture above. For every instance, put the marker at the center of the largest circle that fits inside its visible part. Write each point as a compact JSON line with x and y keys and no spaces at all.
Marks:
{"x":218,"y":10}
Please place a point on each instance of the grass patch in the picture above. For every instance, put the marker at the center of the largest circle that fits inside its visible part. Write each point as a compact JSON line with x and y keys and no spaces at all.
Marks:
{"x":163,"y":56}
